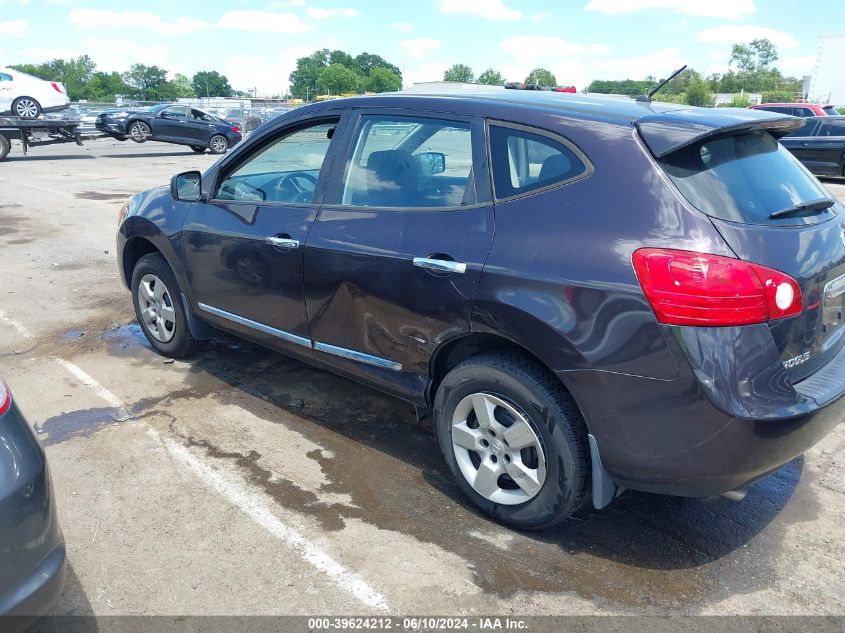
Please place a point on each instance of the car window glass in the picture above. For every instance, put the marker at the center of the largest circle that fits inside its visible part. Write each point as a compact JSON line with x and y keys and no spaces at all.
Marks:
{"x":410,"y":162}
{"x":833,"y":128}
{"x":803,"y":112}
{"x":4,"y":77}
{"x":779,"y":110}
{"x":199,"y":115}
{"x":176,"y":113}
{"x":524,"y":161}
{"x":285,"y":170}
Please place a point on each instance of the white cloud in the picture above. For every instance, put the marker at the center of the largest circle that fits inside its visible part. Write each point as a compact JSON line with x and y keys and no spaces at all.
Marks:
{"x":96,"y":18}
{"x":14,"y":28}
{"x":118,"y":54}
{"x":322,"y":14}
{"x":487,"y":9}
{"x":733,"y":34}
{"x":657,"y":63}
{"x":539,"y":17}
{"x":426,"y":71}
{"x":263,"y":21}
{"x":403,"y":27}
{"x":417,"y":48}
{"x":797,"y":66}
{"x":725,"y":9}
{"x":531,"y":48}
{"x":269,"y":76}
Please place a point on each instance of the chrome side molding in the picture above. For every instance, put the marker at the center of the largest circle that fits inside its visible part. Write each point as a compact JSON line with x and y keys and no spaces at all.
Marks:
{"x":281,"y":334}
{"x":367,"y":359}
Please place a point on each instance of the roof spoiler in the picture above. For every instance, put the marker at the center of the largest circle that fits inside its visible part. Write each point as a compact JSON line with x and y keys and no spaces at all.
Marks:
{"x":667,"y":132}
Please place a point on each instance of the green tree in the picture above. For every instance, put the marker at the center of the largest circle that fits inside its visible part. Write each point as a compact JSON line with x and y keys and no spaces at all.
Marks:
{"x":760,"y":54}
{"x":147,"y":83}
{"x":365,"y":63}
{"x":491,"y":77}
{"x":337,"y":79}
{"x":181,"y":86}
{"x":541,"y":77}
{"x":459,"y":72}
{"x":105,"y":86}
{"x":698,"y":94}
{"x":210,"y":83}
{"x":303,"y":80}
{"x":383,"y":80}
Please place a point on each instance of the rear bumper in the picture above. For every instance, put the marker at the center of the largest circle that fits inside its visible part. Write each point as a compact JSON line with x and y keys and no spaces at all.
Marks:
{"x":35,"y":593}
{"x":729,"y":418}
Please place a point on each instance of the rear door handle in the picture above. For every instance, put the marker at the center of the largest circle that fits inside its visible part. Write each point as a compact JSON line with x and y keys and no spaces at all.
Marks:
{"x":440,"y":265}
{"x":282,"y":242}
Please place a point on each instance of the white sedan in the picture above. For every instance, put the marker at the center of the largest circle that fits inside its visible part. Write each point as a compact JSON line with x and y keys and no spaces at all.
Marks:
{"x":27,"y":96}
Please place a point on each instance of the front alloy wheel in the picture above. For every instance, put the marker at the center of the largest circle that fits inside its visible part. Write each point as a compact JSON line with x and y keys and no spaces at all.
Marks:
{"x":26,"y":108}
{"x":156,"y":308}
{"x":139,"y":131}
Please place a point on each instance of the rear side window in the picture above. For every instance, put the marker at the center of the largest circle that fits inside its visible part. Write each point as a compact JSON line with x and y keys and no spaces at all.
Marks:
{"x":833,"y":128}
{"x":831,"y":110}
{"x":525,"y":161}
{"x":743,"y":178}
{"x":803,"y":112}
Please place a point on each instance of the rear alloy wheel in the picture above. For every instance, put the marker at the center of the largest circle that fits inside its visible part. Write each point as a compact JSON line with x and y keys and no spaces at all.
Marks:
{"x":26,"y":108}
{"x":158,"y":307}
{"x":199,"y":149}
{"x":139,"y":131}
{"x":514,"y":440}
{"x":218,"y":144}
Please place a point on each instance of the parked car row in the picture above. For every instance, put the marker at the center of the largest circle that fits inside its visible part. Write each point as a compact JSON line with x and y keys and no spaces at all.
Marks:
{"x":650,"y":320}
{"x":820,"y":145}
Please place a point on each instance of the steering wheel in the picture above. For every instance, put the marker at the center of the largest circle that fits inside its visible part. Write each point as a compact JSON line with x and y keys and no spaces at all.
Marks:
{"x":290,"y":184}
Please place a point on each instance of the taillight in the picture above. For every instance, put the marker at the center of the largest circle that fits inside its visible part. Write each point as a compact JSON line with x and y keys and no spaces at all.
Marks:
{"x":688,"y":288}
{"x":235,"y":128}
{"x":57,"y":87}
{"x":5,"y":397}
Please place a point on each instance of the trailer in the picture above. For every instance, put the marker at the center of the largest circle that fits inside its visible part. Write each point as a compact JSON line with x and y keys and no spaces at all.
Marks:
{"x":35,"y":132}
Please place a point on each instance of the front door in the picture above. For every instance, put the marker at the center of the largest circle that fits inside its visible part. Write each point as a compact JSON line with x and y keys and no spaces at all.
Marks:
{"x":392,"y":266}
{"x":6,"y":89}
{"x":243,"y":250}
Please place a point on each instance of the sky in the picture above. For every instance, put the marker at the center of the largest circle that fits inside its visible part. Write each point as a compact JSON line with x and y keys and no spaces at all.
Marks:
{"x":256,"y":43}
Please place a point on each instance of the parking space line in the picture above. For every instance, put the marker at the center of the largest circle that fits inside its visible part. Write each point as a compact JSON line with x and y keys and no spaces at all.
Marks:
{"x":250,"y":503}
{"x":56,"y":192}
{"x":18,"y":327}
{"x":254,"y":506}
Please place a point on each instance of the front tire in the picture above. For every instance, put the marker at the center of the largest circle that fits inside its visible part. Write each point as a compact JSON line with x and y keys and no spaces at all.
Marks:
{"x":5,"y":147}
{"x":139,"y":131}
{"x":514,"y":440}
{"x":26,"y":108}
{"x":218,"y":144}
{"x":157,"y":298}
{"x":199,"y":149}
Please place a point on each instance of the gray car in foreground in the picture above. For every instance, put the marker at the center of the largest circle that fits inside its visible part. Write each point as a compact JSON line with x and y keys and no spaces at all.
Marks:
{"x":32,"y":548}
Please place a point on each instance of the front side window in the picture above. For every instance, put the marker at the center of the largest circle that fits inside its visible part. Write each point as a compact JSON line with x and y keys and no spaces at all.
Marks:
{"x":410,"y":162}
{"x":525,"y":161}
{"x":177,"y":112}
{"x":806,"y":129}
{"x":833,"y":128}
{"x":284,"y":171}
{"x":5,"y":77}
{"x":778,"y":109}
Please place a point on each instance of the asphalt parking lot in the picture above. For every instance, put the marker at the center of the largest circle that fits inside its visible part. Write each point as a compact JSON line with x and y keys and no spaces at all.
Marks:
{"x":242,"y":482}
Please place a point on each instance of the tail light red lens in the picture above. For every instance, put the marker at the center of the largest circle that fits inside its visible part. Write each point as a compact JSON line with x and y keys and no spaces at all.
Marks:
{"x":57,"y":87}
{"x":235,"y":128}
{"x":689,"y":288}
{"x":5,"y":397}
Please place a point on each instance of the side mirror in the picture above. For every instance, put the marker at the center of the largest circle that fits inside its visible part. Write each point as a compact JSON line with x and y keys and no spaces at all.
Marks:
{"x":187,"y":186}
{"x":431,"y":163}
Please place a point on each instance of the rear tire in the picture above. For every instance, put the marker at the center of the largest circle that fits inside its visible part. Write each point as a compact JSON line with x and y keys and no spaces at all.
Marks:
{"x":551,"y":480}
{"x":5,"y":147}
{"x":157,"y":299}
{"x":26,"y":108}
{"x":218,"y":144}
{"x":199,"y":149}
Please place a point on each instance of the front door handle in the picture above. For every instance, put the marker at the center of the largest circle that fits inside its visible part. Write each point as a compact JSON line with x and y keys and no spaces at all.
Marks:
{"x":440,"y":265}
{"x":282,"y":242}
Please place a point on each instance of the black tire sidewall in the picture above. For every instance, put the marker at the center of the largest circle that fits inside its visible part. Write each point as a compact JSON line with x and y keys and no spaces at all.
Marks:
{"x":556,"y":499}
{"x":181,"y":342}
{"x":5,"y":147}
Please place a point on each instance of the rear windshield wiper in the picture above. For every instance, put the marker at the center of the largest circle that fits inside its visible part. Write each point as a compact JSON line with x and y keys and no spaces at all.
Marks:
{"x":811,"y":205}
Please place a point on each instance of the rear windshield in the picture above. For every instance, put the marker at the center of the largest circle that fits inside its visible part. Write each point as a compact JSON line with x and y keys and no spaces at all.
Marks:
{"x":744,"y":178}
{"x":831,"y":110}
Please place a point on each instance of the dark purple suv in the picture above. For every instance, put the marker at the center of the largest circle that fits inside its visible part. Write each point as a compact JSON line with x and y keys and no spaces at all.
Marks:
{"x":589,"y":294}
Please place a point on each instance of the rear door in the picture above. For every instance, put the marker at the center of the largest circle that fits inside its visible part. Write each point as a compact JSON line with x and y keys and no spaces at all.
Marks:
{"x":801,"y":143}
{"x":830,"y":146}
{"x":170,"y":123}
{"x":393,"y":263}
{"x":243,"y":249}
{"x":739,"y":179}
{"x":6,"y":89}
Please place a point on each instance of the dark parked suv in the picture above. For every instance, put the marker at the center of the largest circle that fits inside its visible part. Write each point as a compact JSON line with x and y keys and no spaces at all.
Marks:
{"x":589,"y":294}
